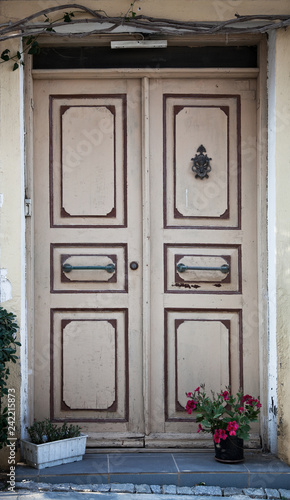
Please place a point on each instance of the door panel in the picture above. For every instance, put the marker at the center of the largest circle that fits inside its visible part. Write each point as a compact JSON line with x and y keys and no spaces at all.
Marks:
{"x":114,"y":258}
{"x":191,"y":122}
{"x":88,"y":336}
{"x":200,"y":345}
{"x":93,"y":363}
{"x":223,"y":273}
{"x":203,"y":326}
{"x":90,"y":365}
{"x":88,"y":159}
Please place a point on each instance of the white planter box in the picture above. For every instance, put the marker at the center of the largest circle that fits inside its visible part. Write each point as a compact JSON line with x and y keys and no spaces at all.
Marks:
{"x":60,"y":452}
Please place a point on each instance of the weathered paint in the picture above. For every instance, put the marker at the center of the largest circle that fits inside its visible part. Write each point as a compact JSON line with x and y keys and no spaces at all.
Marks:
{"x":282,"y":235}
{"x":6,"y":288}
{"x":272,"y":296}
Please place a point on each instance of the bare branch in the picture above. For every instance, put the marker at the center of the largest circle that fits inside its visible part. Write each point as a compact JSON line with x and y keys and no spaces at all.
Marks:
{"x":260,"y":23}
{"x":26,"y":20}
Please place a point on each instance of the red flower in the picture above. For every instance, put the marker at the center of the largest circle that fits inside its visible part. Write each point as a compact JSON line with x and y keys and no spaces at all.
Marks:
{"x":241,"y":409}
{"x":246,"y":398}
{"x":232,"y":427}
{"x":223,"y":434}
{"x":197,"y":390}
{"x":190,"y":406}
{"x":225,"y":395}
{"x":256,"y":402}
{"x":200,"y":429}
{"x":189,"y":394}
{"x":250,"y":401}
{"x":219,"y":434}
{"x":216,"y":436}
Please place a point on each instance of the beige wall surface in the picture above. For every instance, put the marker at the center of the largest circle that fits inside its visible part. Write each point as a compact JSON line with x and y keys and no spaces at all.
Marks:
{"x":11,"y":188}
{"x":11,"y":160}
{"x":283,"y":238}
{"x":195,"y":10}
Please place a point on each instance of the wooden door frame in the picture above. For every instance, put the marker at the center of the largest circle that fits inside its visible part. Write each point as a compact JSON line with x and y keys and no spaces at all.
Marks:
{"x":145,"y":75}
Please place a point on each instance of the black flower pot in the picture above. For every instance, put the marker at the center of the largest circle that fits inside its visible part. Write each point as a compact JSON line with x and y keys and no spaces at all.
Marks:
{"x":230,"y":450}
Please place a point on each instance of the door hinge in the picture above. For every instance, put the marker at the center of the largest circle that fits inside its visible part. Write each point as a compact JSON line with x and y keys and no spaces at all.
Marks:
{"x":27,"y":207}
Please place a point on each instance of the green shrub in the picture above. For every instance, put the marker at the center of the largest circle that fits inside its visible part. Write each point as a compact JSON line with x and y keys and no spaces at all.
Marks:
{"x":8,"y":330}
{"x":45,"y":432}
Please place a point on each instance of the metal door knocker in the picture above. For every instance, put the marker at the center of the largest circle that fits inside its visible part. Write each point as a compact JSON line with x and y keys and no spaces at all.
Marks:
{"x":201,"y":165}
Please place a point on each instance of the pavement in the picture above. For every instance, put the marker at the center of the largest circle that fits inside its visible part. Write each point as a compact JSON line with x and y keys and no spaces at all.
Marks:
{"x":99,"y":496}
{"x":133,"y":492}
{"x":148,"y":475}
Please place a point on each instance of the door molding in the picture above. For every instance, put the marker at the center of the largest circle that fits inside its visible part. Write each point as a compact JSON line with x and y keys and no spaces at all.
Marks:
{"x":146,"y":248}
{"x":75,"y":74}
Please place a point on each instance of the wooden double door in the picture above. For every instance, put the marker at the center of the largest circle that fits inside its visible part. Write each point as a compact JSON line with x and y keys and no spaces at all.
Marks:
{"x":145,"y":251}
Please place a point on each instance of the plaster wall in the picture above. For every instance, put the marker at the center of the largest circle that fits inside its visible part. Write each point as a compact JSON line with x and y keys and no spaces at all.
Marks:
{"x":12,"y":212}
{"x":195,"y":10}
{"x":283,"y":238}
{"x":271,"y":212}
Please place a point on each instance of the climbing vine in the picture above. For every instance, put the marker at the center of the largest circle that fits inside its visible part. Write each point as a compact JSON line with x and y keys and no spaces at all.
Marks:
{"x":31,"y":45}
{"x":30,"y":28}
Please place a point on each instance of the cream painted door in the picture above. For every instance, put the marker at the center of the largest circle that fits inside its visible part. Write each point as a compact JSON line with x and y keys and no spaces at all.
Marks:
{"x":204,"y":325}
{"x":116,"y":347}
{"x":88,"y":322}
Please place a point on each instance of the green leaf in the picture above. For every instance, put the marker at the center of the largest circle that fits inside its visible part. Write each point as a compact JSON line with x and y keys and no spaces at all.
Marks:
{"x":8,"y":329}
{"x":30,"y":40}
{"x":18,"y":55}
{"x":206,"y":423}
{"x":5,"y":55}
{"x":34,"y":49}
{"x":67,"y":17}
{"x":243,"y":435}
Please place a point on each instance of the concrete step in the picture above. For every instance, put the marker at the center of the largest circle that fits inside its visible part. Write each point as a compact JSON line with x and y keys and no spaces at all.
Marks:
{"x":165,"y":468}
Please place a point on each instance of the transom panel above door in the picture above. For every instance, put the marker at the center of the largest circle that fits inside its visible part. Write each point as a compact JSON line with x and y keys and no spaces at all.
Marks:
{"x":145,"y":260}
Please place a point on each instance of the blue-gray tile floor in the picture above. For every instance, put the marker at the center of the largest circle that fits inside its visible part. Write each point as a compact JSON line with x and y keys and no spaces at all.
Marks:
{"x":180,"y":468}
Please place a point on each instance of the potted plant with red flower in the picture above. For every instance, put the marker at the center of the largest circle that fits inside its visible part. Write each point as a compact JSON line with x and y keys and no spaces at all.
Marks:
{"x":226,"y":417}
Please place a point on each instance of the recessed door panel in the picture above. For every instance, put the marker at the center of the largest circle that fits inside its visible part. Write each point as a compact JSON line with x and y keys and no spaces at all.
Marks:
{"x":202,"y":345}
{"x":214,"y":269}
{"x":88,"y":155}
{"x":89,"y":268}
{"x":202,"y":160}
{"x":90,"y":365}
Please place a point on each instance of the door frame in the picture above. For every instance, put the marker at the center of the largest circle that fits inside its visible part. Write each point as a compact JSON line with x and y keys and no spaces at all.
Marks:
{"x":262,"y":169}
